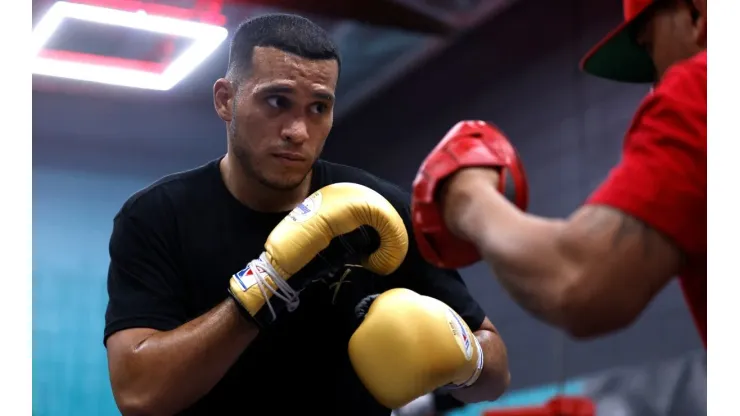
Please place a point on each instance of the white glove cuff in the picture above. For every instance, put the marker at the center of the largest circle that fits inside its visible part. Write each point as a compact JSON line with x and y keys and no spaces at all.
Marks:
{"x":478,"y":367}
{"x":473,"y":378}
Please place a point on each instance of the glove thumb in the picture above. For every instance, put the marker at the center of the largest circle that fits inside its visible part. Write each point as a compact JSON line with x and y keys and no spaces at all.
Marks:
{"x":352,"y":247}
{"x":363,"y":305}
{"x":363,"y":241}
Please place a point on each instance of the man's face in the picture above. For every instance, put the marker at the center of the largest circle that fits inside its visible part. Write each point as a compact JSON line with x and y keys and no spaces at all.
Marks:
{"x":672,"y":32}
{"x":282,"y":114}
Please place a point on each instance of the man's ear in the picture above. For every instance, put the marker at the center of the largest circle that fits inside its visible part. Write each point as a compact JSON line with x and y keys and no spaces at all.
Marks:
{"x":701,"y":6}
{"x":701,"y":21}
{"x":223,"y":98}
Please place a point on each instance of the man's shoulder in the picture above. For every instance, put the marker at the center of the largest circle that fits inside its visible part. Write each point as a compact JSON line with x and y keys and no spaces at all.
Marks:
{"x":167,"y":191}
{"x":699,"y":61}
{"x":686,"y":81}
{"x":336,"y":172}
{"x":676,"y":109}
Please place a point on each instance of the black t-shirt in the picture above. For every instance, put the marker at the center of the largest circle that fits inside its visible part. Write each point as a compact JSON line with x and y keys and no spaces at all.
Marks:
{"x":173,"y":250}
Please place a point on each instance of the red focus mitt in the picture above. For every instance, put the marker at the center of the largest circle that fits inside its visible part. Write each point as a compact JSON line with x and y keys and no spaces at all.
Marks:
{"x":467,"y":144}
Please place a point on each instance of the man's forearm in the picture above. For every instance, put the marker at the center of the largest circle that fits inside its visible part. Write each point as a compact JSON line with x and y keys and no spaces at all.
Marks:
{"x":522,"y":250}
{"x":169,"y":371}
{"x":495,"y":377}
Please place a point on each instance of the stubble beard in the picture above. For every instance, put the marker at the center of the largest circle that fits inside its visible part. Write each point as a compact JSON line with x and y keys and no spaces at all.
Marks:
{"x":244,"y":159}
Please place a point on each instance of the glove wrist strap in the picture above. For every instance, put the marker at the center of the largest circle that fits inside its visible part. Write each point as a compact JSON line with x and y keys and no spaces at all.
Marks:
{"x":278,"y":296}
{"x":478,"y":365}
{"x":474,"y":377}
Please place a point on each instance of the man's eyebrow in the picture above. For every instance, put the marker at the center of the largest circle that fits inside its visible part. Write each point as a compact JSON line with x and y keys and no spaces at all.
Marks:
{"x":276,"y":89}
{"x":287,"y":89}
{"x":323,"y":95}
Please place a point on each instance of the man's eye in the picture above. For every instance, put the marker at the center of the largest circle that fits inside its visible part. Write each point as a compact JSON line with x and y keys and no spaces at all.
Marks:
{"x":319,"y":108}
{"x":277,"y":101}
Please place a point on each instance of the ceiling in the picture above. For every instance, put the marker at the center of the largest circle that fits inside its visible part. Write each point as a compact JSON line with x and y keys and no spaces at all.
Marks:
{"x":373,"y":56}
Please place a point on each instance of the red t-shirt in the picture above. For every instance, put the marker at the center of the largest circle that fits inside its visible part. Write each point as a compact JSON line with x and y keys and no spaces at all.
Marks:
{"x":662,"y":177}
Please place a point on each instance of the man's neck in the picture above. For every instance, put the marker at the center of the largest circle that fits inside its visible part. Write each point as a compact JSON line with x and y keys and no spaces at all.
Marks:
{"x":253,"y":194}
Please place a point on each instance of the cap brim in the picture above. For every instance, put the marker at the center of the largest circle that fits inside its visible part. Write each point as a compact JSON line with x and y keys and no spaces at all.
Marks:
{"x":618,"y":57}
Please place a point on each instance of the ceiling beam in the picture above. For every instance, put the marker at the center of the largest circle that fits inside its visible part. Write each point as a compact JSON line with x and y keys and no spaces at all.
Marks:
{"x":390,"y":13}
{"x":480,"y":15}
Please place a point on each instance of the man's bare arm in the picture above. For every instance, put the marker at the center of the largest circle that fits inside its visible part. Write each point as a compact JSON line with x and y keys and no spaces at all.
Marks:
{"x":162,"y":373}
{"x":495,"y":378}
{"x":590,"y":274}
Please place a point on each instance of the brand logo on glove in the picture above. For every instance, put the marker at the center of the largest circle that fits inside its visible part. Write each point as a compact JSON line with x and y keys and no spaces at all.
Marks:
{"x":306,"y":209}
{"x":245,"y":277}
{"x":461,"y":334}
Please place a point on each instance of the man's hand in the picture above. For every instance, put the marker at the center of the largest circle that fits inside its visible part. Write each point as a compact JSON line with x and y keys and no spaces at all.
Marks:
{"x":409,"y":345}
{"x":457,"y":191}
{"x":468,"y":144}
{"x":495,"y":378}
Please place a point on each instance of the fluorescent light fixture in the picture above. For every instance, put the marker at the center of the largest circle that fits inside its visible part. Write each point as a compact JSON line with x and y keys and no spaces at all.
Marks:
{"x":206,"y":38}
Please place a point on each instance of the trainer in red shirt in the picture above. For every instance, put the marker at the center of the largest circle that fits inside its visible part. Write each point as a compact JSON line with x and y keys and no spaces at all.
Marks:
{"x":596,"y":271}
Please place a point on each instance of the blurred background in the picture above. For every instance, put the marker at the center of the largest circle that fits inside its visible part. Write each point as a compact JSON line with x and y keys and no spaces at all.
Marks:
{"x":412,"y":68}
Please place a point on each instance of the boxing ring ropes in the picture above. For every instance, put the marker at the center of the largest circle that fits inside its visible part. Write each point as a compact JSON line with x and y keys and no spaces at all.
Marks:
{"x":209,"y":12}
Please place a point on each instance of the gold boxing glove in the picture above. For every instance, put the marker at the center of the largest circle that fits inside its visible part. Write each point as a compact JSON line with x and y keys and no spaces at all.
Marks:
{"x":271,"y":283}
{"x":409,"y":345}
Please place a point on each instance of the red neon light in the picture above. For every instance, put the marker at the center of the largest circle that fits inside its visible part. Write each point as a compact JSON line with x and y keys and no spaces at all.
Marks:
{"x":206,"y":11}
{"x":110,"y":61}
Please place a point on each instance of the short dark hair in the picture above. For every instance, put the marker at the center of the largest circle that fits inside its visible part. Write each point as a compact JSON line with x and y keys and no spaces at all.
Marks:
{"x":287,"y":32}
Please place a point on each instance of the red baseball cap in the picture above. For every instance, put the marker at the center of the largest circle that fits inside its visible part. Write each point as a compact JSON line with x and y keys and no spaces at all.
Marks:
{"x":618,"y":56}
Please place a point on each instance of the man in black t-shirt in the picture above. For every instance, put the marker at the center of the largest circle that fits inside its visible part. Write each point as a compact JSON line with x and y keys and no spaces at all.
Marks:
{"x":177,"y":342}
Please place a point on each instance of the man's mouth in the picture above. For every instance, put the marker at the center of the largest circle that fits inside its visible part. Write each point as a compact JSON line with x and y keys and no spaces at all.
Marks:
{"x":290,"y":156}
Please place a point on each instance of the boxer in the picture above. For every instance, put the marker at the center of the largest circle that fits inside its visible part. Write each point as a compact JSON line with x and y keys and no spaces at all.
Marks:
{"x":596,"y":271}
{"x":232,"y":286}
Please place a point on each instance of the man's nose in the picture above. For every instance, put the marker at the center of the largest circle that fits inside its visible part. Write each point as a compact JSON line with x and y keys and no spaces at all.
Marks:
{"x":296,"y":131}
